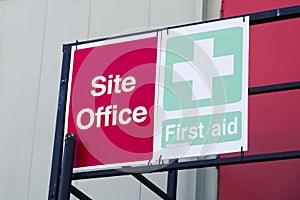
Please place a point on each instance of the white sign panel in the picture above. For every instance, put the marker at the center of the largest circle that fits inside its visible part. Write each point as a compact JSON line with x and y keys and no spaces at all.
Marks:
{"x":202,"y":90}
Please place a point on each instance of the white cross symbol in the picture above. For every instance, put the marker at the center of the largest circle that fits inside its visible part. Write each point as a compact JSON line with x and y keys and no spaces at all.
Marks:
{"x":203,"y":69}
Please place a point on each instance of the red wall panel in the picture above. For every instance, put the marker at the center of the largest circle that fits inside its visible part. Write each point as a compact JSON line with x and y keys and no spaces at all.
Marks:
{"x":274,"y":124}
{"x":239,"y":7}
{"x":274,"y":119}
{"x":274,"y":52}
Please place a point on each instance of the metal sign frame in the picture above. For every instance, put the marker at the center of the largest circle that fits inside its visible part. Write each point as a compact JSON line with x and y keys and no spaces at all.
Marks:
{"x":62,"y":162}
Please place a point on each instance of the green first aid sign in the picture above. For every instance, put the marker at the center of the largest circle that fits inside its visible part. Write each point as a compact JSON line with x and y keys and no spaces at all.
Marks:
{"x":203,"y":69}
{"x":203,"y":89}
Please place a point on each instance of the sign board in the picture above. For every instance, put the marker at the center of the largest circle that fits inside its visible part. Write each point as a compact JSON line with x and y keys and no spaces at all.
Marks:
{"x":204,"y":93}
{"x":170,"y":94}
{"x":111,"y":98}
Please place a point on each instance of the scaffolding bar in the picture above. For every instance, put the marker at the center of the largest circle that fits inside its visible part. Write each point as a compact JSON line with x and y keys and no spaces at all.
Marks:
{"x":67,"y":168}
{"x":190,"y":165}
{"x":274,"y":88}
{"x":172,"y":184}
{"x":151,"y":186}
{"x":78,"y":194}
{"x":59,"y":130}
{"x":275,"y":15}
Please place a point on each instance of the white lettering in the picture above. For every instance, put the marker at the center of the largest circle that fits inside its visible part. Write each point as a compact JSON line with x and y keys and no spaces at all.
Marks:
{"x":139,"y":114}
{"x":91,"y":119}
{"x":121,"y":116}
{"x":102,"y":85}
{"x":128,"y":84}
{"x":98,"y":86}
{"x":111,"y":116}
{"x":169,"y":132}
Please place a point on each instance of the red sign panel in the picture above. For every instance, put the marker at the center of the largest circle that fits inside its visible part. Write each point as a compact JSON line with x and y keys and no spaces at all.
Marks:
{"x":110,"y":102}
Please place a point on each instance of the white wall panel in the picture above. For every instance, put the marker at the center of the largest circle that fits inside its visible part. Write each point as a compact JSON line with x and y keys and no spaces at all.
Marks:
{"x":66,"y":21}
{"x":213,"y":9}
{"x":207,"y":183}
{"x":113,"y":188}
{"x":172,"y":12}
{"x":20,"y":62}
{"x":2,"y":14}
{"x":187,"y":187}
{"x":117,"y":17}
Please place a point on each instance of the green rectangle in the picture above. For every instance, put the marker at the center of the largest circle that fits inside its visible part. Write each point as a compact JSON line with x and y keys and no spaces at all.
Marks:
{"x":207,"y":129}
{"x":226,"y":89}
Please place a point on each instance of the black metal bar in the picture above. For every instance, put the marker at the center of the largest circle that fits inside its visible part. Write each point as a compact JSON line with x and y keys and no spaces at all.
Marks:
{"x":172,"y":184}
{"x":78,"y":194}
{"x":59,"y":130}
{"x":67,"y":168}
{"x":151,"y":186}
{"x":191,"y":164}
{"x":275,"y":15}
{"x":255,"y":18}
{"x":274,"y":88}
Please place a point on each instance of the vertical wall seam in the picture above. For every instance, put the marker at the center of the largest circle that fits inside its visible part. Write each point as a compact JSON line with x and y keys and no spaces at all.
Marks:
{"x":140,"y":193}
{"x":37,"y":98}
{"x":149,"y":14}
{"x":89,"y":19}
{"x":75,"y":183}
{"x":199,"y":10}
{"x":205,"y":10}
{"x":2,"y":25}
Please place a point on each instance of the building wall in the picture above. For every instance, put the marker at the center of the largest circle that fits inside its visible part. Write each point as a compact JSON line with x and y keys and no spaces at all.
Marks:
{"x":31,"y":36}
{"x":274,"y":117}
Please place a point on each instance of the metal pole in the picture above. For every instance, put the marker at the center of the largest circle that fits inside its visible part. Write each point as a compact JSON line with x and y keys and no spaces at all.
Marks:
{"x":59,"y":130}
{"x":151,"y":186}
{"x":67,"y":168}
{"x":257,"y":158}
{"x":274,"y":88}
{"x":78,"y":194}
{"x":172,"y":182}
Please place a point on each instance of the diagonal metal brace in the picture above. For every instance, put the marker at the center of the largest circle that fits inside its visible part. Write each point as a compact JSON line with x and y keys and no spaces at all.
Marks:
{"x":151,"y":186}
{"x":78,"y":194}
